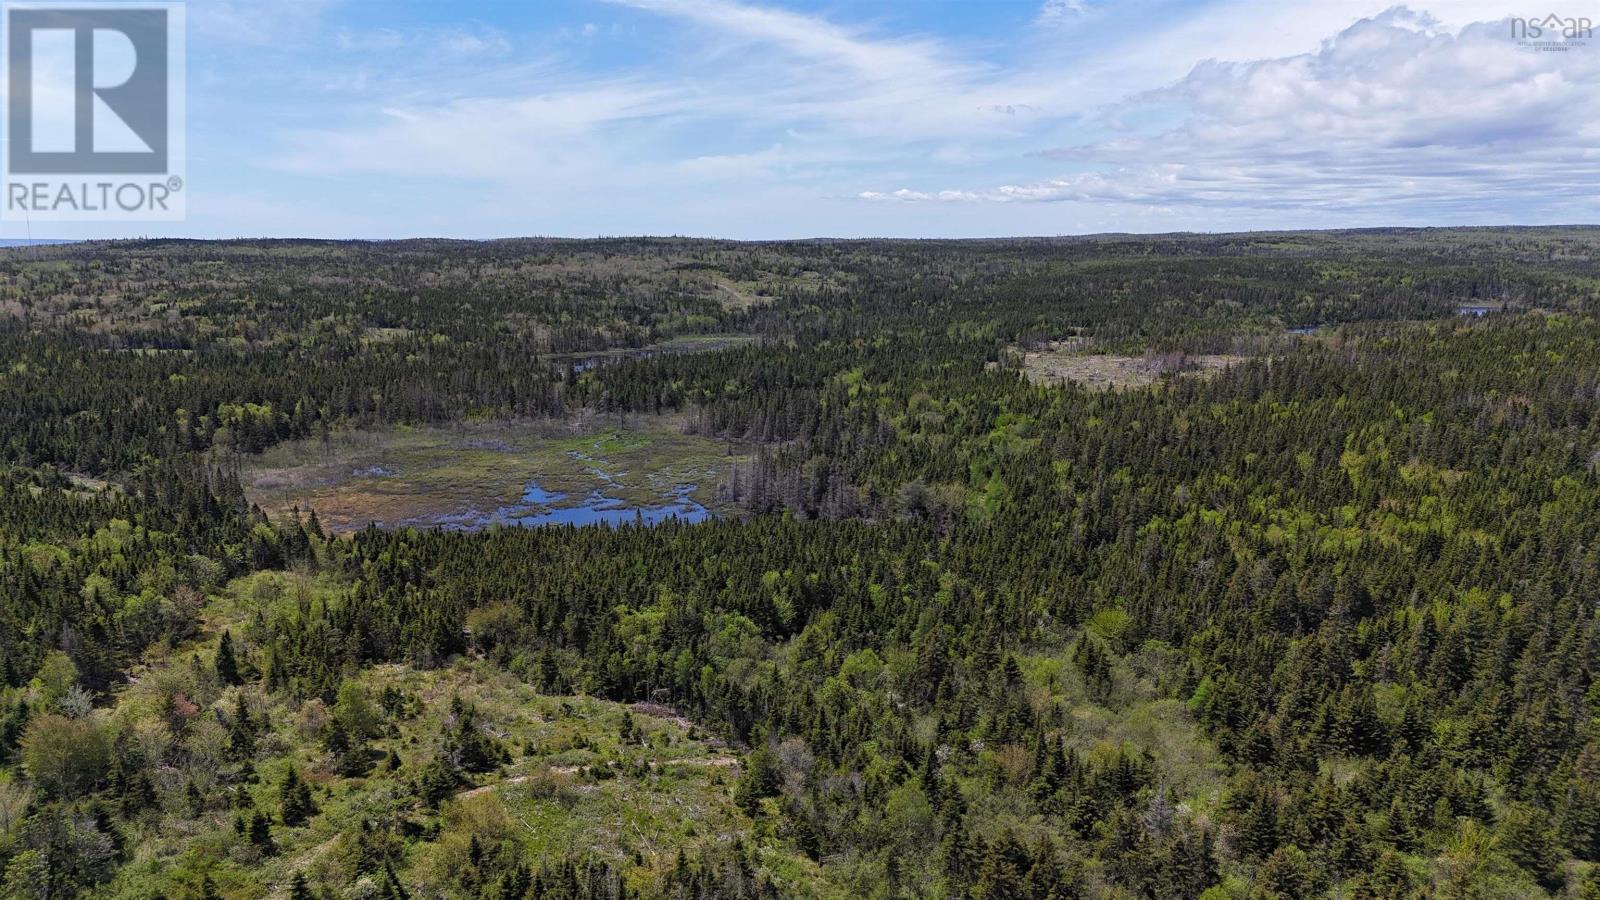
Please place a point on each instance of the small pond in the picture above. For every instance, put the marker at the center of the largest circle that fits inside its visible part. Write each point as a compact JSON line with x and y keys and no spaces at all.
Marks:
{"x":554,"y":508}
{"x":544,"y":507}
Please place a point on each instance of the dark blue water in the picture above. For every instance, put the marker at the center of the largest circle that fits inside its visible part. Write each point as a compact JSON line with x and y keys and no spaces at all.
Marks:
{"x":538,"y":507}
{"x":541,"y":497}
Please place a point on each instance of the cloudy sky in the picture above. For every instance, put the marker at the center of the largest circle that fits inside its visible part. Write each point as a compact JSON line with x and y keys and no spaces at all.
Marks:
{"x":937,"y":118}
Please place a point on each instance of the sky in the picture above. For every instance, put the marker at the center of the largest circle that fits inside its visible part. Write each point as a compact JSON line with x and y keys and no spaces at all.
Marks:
{"x":930,"y":118}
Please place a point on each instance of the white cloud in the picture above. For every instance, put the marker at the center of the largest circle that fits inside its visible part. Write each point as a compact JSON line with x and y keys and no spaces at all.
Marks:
{"x":807,"y":36}
{"x":1394,"y":111}
{"x":1397,"y":116}
{"x":453,"y":41}
{"x":806,"y":70}
{"x":544,"y":137}
{"x":482,"y":42}
{"x":838,"y":95}
{"x":257,"y":22}
{"x":1054,"y":11}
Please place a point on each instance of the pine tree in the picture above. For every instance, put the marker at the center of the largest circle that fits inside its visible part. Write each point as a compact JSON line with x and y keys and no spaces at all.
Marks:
{"x":391,"y":889}
{"x":761,"y":778}
{"x":1003,"y":870}
{"x":294,"y":798}
{"x":437,"y":780}
{"x":1388,"y":880}
{"x":1590,"y":890}
{"x":260,"y":833}
{"x":227,"y":665}
{"x":241,"y":730}
{"x":1286,"y":875}
{"x":465,"y":743}
{"x":1527,"y":839}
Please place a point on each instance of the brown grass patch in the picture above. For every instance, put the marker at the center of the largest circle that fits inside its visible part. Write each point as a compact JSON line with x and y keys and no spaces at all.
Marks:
{"x":1097,"y":371}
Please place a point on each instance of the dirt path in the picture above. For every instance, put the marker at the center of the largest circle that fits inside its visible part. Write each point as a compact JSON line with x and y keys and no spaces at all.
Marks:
{"x":717,"y":762}
{"x":483,"y":789}
{"x":306,"y":861}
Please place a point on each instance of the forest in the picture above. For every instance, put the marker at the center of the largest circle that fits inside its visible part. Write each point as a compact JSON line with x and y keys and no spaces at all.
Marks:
{"x":1321,"y":621}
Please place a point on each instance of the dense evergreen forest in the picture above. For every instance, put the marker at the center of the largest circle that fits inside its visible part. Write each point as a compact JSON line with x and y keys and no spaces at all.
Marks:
{"x":1322,"y":623}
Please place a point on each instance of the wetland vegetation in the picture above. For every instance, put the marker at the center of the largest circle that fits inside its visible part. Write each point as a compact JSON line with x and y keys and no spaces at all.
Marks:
{"x":584,"y":470}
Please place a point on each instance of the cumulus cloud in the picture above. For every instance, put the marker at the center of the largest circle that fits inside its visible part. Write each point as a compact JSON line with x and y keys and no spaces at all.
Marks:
{"x":1393,"y":117}
{"x":1393,"y":110}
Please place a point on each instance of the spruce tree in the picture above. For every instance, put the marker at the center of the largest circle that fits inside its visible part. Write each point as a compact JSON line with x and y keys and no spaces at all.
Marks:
{"x":294,"y":800}
{"x":227,"y":665}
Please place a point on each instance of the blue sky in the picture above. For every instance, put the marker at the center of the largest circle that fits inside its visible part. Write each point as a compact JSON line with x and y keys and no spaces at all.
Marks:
{"x":939,"y":118}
